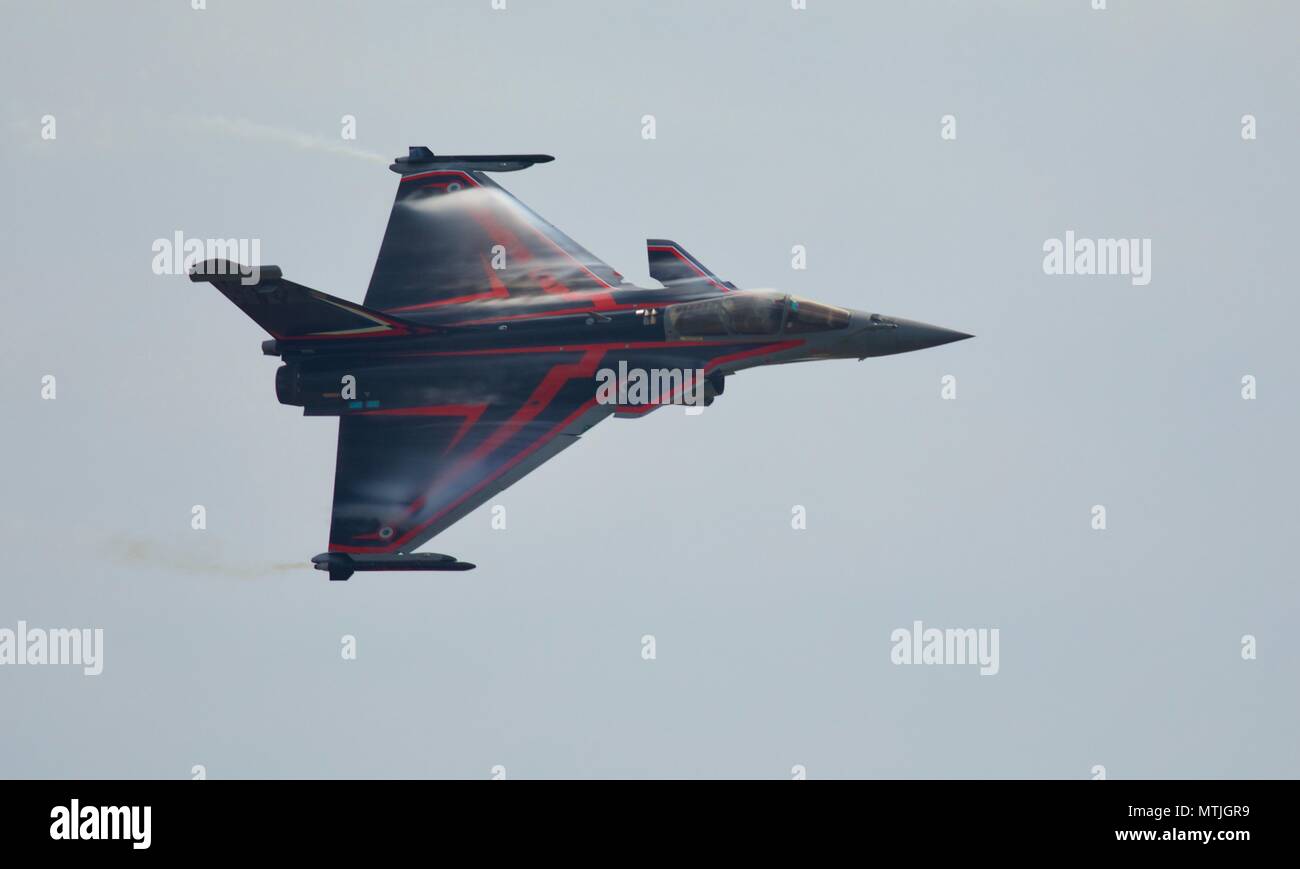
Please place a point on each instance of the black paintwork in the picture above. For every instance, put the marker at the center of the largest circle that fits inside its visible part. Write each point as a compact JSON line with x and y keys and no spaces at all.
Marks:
{"x":475,"y":356}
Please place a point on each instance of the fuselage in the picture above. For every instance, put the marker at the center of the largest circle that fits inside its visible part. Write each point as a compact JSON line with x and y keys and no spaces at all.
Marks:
{"x":632,"y":327}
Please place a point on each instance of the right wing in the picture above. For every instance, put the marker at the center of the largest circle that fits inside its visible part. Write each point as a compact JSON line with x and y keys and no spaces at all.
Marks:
{"x":455,"y":237}
{"x":403,"y":475}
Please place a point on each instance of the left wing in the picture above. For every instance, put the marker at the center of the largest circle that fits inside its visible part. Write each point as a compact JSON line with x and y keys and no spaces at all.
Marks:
{"x":403,"y":475}
{"x":454,"y":237}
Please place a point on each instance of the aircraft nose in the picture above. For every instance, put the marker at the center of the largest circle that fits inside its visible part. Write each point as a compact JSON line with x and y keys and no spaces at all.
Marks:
{"x":914,"y":335}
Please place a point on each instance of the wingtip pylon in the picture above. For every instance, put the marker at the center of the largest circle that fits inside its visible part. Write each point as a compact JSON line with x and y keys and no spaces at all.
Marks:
{"x":420,"y":158}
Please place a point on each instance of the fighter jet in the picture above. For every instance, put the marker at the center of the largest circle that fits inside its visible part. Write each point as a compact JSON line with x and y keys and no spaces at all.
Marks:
{"x":489,"y":341}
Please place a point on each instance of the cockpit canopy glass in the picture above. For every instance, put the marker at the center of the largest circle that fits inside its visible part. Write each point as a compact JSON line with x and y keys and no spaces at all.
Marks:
{"x":696,"y":320}
{"x":808,"y":316}
{"x":752,"y":314}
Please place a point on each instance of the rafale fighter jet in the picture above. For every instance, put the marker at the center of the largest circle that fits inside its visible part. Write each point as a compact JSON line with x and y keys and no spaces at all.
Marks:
{"x":483,"y":343}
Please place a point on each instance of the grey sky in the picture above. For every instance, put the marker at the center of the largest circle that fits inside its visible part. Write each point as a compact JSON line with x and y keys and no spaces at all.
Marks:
{"x":775,"y":127}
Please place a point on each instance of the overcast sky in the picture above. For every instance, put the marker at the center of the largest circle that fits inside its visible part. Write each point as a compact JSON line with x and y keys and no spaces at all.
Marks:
{"x":1119,"y":648}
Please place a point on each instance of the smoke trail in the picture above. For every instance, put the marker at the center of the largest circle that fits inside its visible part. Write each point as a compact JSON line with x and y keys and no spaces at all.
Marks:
{"x":255,"y":132}
{"x":189,"y":561}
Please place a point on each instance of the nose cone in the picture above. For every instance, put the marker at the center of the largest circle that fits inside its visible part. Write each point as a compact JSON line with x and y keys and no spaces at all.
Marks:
{"x":913,"y":335}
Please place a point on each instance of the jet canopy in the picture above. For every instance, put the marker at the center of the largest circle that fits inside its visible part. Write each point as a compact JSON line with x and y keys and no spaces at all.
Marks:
{"x":757,"y":314}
